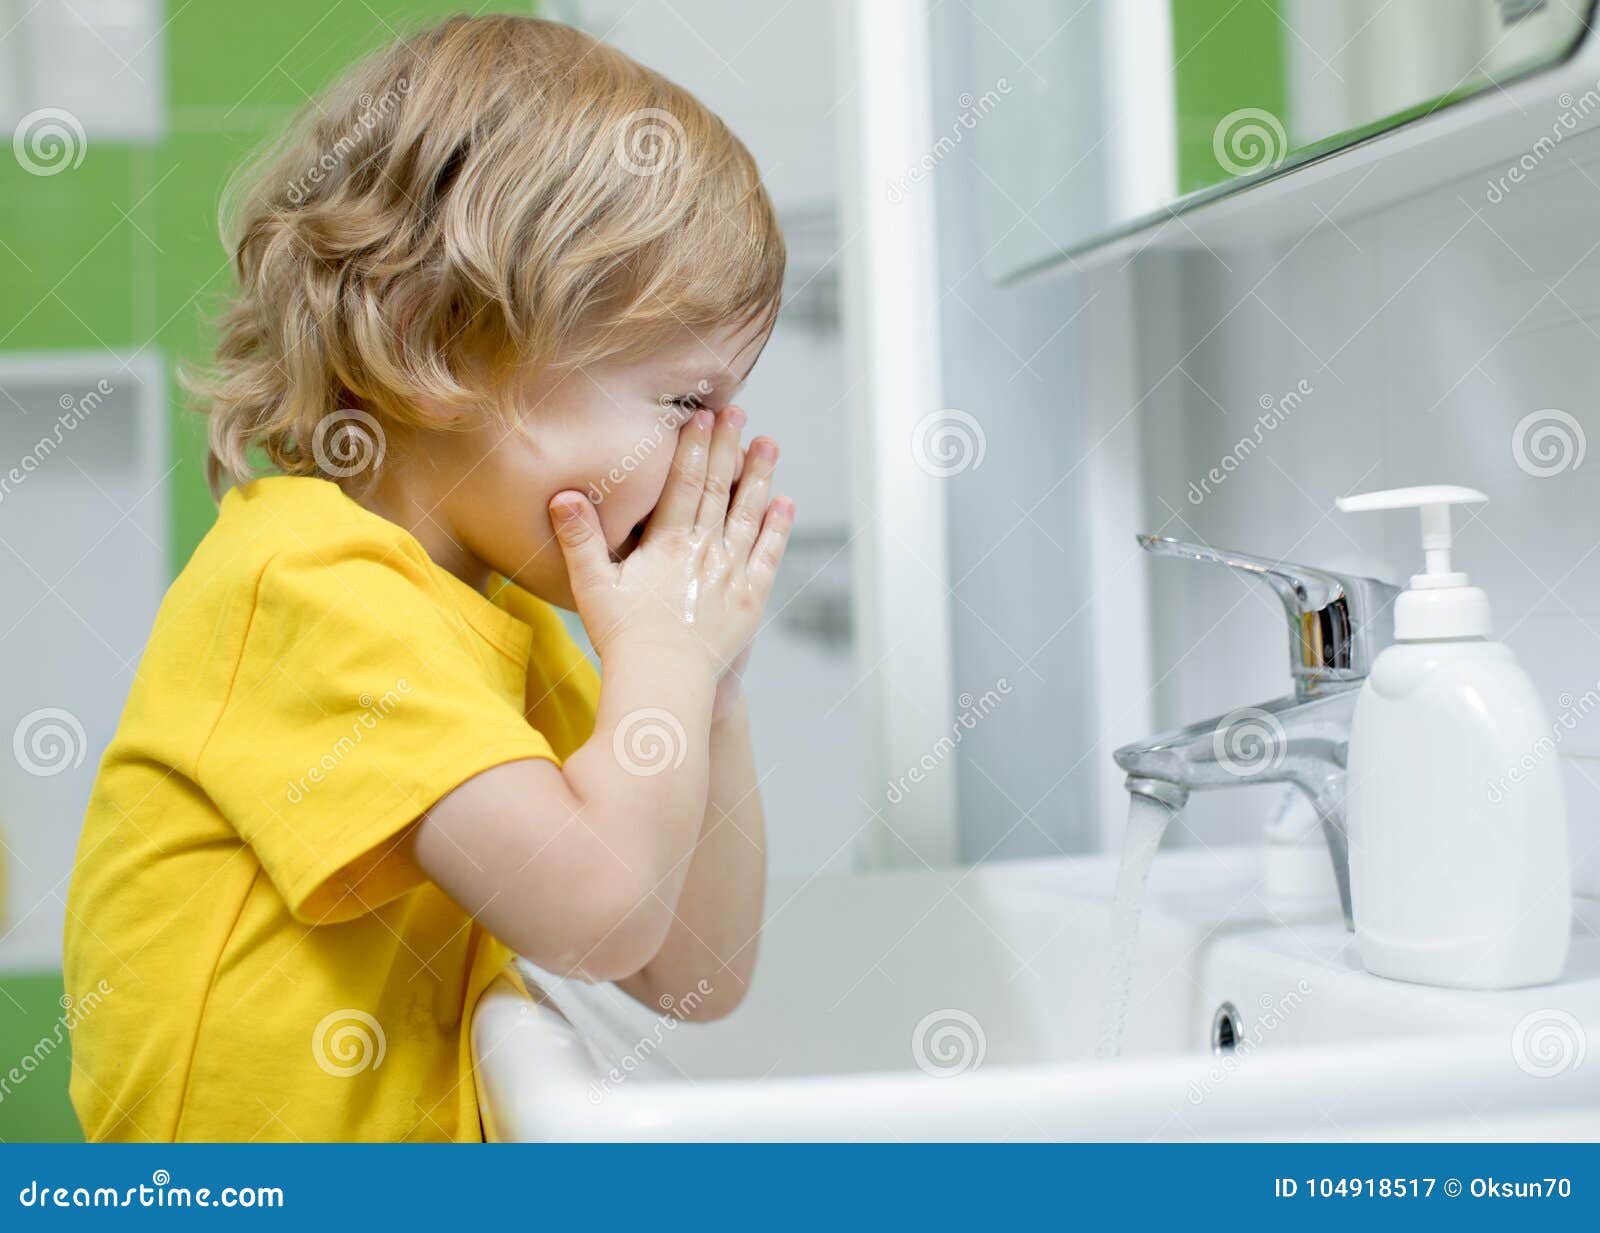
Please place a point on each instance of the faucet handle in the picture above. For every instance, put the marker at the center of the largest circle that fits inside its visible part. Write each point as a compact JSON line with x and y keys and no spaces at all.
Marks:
{"x":1337,"y":622}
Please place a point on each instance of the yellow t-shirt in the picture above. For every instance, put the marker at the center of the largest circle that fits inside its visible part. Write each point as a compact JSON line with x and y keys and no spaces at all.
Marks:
{"x":275,"y":963}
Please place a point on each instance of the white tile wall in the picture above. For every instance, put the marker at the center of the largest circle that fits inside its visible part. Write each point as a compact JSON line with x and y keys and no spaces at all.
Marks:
{"x":83,"y":563}
{"x":97,"y":66}
{"x":1428,"y":332}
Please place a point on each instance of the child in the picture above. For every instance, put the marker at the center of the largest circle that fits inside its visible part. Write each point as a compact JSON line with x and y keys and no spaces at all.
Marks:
{"x":495,"y":295}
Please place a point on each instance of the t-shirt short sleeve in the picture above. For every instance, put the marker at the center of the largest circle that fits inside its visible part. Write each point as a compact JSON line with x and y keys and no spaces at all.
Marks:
{"x":361,"y":698}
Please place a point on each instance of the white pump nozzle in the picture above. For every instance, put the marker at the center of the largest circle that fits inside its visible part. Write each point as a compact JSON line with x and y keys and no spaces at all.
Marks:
{"x":1456,"y":610}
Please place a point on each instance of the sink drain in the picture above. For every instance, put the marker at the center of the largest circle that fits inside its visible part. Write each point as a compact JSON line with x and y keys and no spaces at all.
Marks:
{"x":1225,"y":1029}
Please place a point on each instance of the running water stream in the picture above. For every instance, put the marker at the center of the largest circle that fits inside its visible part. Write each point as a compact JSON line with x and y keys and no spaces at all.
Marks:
{"x":1147,"y":822}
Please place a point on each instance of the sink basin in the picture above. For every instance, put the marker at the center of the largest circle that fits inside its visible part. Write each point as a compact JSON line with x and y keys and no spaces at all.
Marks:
{"x":964,"y":1004}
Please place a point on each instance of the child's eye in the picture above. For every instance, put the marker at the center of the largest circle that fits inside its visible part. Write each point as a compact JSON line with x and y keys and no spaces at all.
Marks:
{"x":684,"y":405}
{"x":687,"y":404}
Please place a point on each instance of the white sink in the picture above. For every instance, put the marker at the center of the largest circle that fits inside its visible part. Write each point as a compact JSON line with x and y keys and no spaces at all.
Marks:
{"x":965,"y":1004}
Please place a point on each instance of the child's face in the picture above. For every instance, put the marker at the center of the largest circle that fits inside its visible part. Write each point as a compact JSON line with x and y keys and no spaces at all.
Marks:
{"x":608,"y":431}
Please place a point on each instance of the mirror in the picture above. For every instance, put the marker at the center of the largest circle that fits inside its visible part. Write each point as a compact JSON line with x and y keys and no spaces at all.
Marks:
{"x":1106,"y":115}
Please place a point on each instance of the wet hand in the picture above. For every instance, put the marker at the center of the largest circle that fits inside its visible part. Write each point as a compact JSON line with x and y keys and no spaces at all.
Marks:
{"x":695,"y":586}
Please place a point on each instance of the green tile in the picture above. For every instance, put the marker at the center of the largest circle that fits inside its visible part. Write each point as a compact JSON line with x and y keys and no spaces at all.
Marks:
{"x":236,"y":76}
{"x":192,"y":286}
{"x":33,"y":1095}
{"x":1228,"y":55}
{"x":67,"y":253}
{"x":77,"y":274}
{"x":257,"y":55}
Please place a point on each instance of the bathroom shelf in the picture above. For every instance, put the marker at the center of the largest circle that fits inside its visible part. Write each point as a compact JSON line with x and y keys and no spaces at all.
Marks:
{"x":1502,"y":128}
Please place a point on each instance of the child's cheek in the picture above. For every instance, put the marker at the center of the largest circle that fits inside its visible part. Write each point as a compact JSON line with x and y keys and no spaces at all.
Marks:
{"x":646,"y":492}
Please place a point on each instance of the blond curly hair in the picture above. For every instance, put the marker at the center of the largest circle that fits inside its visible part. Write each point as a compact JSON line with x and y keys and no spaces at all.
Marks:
{"x":479,"y":200}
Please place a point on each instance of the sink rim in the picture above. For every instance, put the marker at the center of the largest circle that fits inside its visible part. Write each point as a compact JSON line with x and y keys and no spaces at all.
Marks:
{"x":536,"y":1071}
{"x":557,"y":1099}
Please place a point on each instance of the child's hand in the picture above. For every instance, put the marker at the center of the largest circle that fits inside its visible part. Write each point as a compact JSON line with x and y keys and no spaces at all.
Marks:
{"x":699,"y":579}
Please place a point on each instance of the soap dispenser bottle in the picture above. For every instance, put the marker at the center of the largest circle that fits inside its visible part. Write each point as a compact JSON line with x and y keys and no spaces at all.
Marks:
{"x":1455,"y":810}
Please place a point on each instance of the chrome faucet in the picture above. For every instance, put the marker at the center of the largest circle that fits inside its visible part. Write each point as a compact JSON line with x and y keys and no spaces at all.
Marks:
{"x":1337,"y":625}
